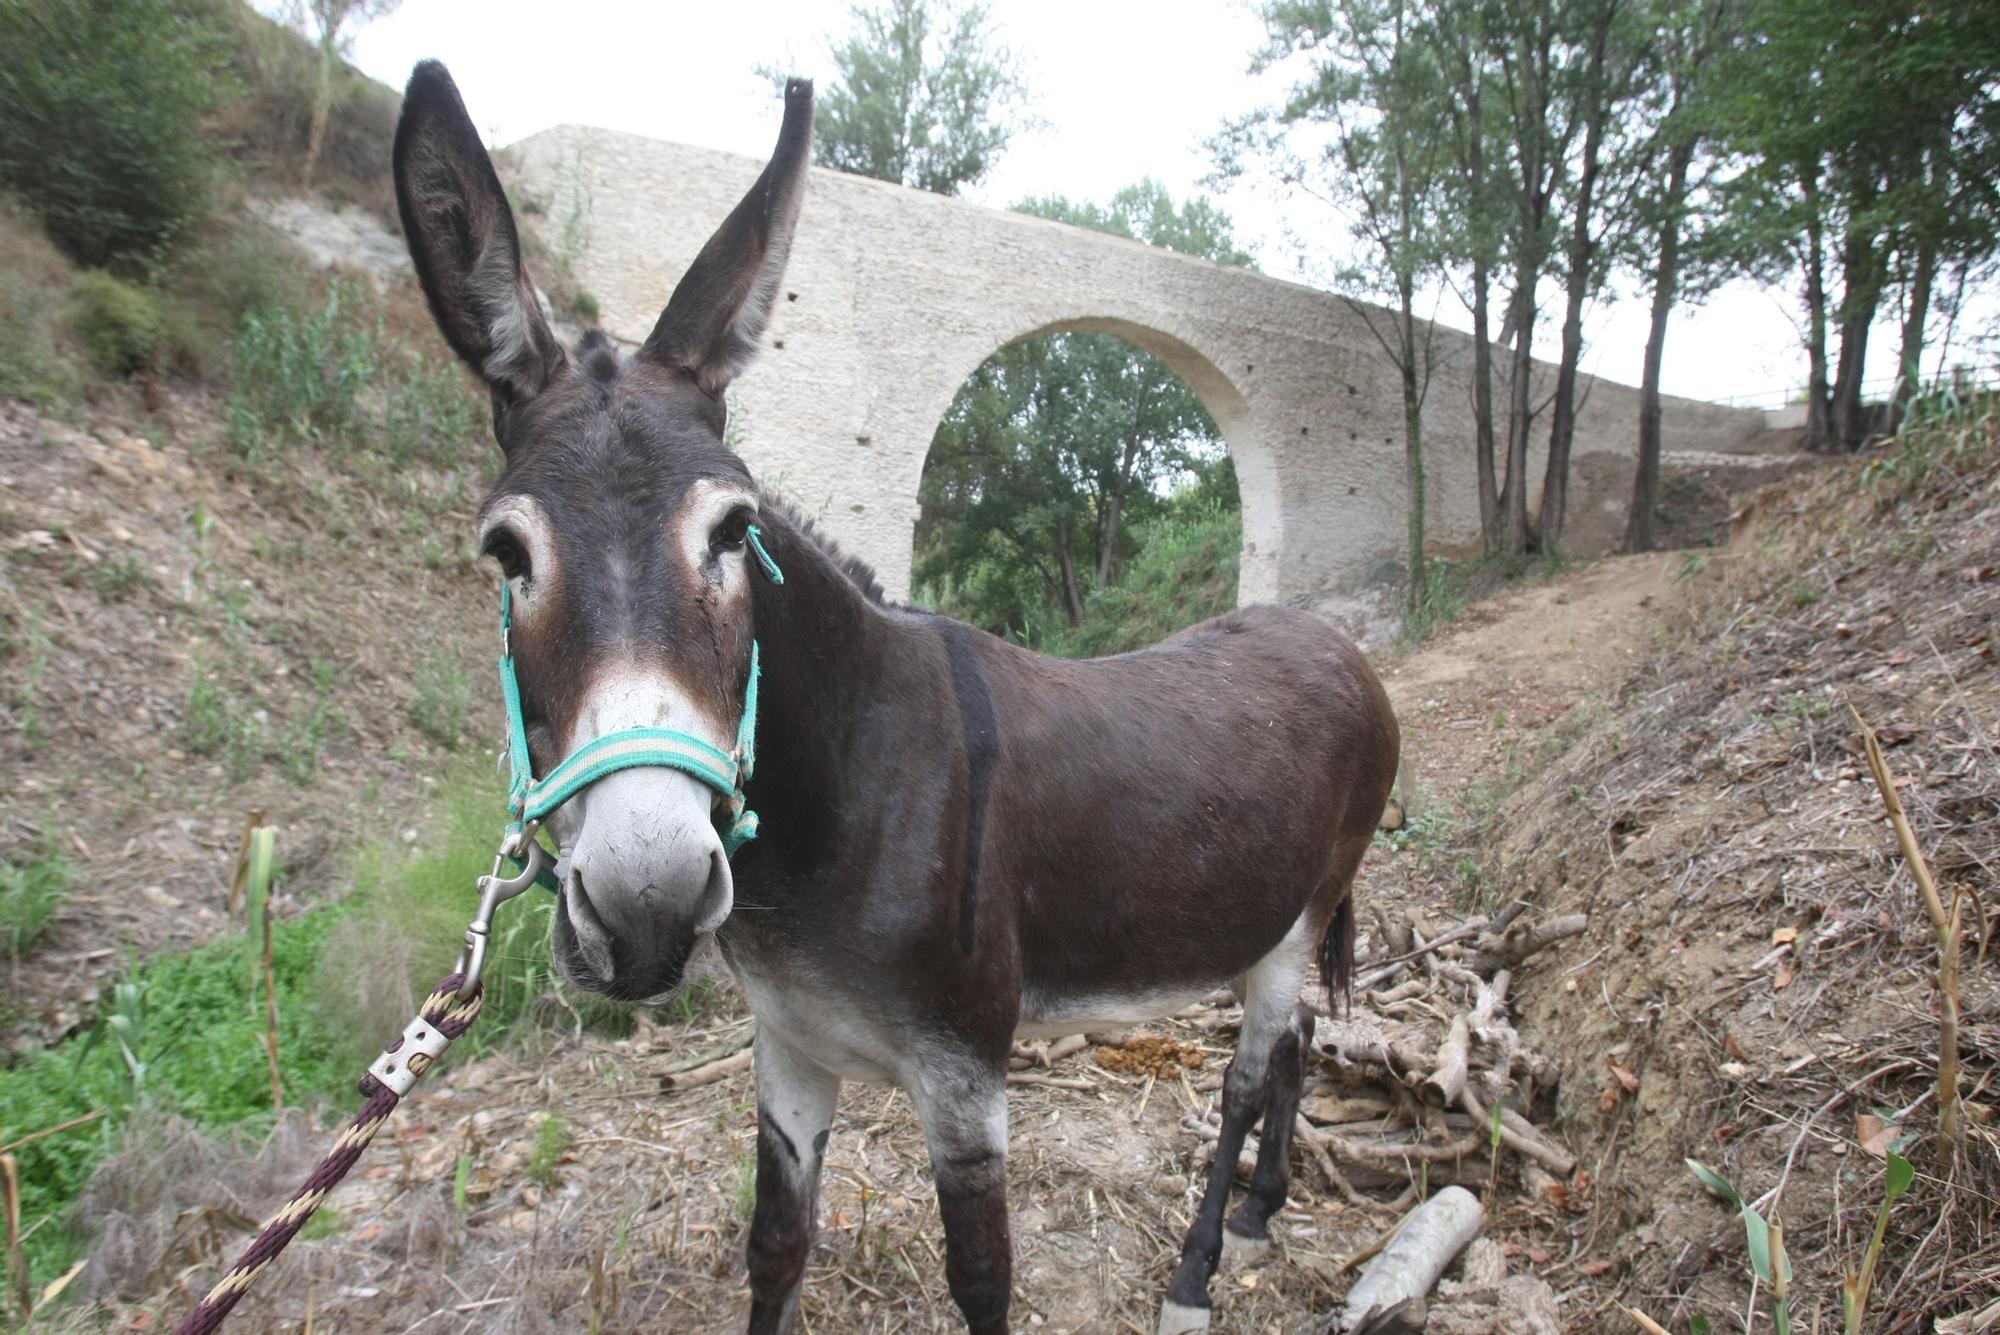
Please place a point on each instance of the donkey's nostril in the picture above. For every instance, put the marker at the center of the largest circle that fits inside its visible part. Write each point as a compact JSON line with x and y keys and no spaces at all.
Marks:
{"x":591,"y":937}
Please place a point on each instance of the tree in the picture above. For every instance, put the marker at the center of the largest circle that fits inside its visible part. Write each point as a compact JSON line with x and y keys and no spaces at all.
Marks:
{"x":103,"y":106}
{"x":331,"y":24}
{"x":1678,"y":241}
{"x":924,"y":96}
{"x":1364,"y":129}
{"x":1867,"y":132}
{"x":1057,"y":444}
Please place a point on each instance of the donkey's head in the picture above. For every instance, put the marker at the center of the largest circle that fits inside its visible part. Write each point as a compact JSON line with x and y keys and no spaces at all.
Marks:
{"x":619,"y":523}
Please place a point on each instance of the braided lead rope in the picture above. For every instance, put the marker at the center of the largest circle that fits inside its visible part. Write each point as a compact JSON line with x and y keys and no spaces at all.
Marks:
{"x":442,"y":1012}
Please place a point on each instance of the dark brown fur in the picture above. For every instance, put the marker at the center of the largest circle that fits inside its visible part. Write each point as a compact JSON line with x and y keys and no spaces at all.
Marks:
{"x":958,"y":835}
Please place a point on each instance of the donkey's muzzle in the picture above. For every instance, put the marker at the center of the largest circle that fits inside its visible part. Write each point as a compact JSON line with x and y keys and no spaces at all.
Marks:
{"x":645,"y":879}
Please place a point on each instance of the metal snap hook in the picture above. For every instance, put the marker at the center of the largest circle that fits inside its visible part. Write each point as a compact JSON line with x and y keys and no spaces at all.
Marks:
{"x":495,"y":890}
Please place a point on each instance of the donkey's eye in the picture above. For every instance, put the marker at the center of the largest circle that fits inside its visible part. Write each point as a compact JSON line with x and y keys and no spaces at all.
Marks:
{"x":730,"y":533}
{"x":507,"y":550}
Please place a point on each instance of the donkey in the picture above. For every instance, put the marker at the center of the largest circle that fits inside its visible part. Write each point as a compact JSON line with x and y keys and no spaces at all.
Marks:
{"x":962,"y":841}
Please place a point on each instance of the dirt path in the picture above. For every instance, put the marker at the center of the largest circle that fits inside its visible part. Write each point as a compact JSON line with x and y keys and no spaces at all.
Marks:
{"x":638,"y":1224}
{"x":1510,"y":667}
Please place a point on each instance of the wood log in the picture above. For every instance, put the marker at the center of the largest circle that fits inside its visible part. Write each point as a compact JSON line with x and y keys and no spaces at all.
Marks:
{"x":706,"y":1074}
{"x":1446,"y":1081}
{"x":1409,"y":1265}
{"x":1511,"y":949}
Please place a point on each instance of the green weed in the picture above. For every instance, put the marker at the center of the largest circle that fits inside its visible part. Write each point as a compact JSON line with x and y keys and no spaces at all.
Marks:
{"x":117,"y":579}
{"x":31,"y":894}
{"x":438,"y":709}
{"x":552,"y":1142}
{"x":216,"y":723}
{"x":299,"y":373}
{"x":299,"y":743}
{"x":743,"y":1183}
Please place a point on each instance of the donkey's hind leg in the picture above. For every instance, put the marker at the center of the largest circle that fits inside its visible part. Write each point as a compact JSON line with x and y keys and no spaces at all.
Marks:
{"x":1263,"y":1074}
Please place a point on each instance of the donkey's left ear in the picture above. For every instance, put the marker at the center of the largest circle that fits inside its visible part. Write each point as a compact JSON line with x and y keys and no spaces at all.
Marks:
{"x":463,"y":242}
{"x":715,"y":320}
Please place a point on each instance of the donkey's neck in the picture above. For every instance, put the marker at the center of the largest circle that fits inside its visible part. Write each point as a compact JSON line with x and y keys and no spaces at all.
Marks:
{"x":821,"y":643}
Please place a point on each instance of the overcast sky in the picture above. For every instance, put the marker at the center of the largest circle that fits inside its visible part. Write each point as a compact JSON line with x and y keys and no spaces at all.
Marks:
{"x":1121,"y":89}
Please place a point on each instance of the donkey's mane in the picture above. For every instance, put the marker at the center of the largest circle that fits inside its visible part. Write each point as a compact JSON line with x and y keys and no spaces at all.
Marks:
{"x":859,"y":573}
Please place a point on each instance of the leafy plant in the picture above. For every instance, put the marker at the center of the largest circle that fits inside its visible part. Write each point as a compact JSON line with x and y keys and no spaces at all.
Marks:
{"x":104,"y":106}
{"x":31,"y":894}
{"x":216,"y":723}
{"x":1855,"y":1288}
{"x":552,"y":1142}
{"x":299,"y":743}
{"x":126,"y":1025}
{"x":118,"y":323}
{"x":300,"y":372}
{"x":438,"y":709}
{"x":1766,"y":1242}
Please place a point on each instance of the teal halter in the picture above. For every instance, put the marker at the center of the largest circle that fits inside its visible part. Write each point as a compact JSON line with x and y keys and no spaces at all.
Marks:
{"x":529,"y":799}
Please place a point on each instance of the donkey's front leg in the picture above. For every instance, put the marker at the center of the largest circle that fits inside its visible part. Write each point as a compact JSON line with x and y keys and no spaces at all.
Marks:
{"x":794,"y":1109}
{"x":962,"y":1102}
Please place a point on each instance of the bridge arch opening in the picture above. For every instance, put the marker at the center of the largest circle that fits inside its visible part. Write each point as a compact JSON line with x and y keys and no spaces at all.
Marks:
{"x":1091,"y":484}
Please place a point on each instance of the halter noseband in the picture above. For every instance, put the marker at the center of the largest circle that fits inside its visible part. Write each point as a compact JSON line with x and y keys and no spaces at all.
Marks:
{"x":529,"y":799}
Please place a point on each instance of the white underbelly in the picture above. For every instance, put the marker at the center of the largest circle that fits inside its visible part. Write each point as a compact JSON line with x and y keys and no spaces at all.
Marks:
{"x":1050,"y":1016}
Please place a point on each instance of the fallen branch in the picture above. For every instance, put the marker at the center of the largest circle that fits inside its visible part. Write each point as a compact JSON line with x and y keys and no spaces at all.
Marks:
{"x":1446,"y":1082}
{"x":1509,"y":950}
{"x":1517,"y":1135}
{"x":1052,"y":1081}
{"x":735,"y":1044}
{"x":1410,"y":1263}
{"x":707,"y":1074}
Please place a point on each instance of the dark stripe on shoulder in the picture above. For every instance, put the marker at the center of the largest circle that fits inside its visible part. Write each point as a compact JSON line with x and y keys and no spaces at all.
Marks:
{"x":982,"y":747}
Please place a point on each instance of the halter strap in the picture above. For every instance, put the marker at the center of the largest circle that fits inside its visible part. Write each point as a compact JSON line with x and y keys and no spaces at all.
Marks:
{"x":529,"y":799}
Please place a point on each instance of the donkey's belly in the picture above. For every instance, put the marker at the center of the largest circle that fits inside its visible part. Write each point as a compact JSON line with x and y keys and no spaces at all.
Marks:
{"x":1047,"y":1014}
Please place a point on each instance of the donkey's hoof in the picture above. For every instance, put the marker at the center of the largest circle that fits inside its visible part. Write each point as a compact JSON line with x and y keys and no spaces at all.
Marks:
{"x":1239,"y":1252}
{"x":1178,"y":1318}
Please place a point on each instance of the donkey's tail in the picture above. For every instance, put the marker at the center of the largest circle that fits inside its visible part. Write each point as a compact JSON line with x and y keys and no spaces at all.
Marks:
{"x":1336,"y":953}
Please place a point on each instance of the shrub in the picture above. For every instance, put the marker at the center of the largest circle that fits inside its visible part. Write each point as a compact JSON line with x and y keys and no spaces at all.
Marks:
{"x":432,"y":411}
{"x":103,"y":105}
{"x":1185,"y":572}
{"x":299,"y":372}
{"x":120,"y":324}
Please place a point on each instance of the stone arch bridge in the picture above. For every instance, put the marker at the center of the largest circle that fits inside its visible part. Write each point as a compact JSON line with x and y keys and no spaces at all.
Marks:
{"x":893,"y":297}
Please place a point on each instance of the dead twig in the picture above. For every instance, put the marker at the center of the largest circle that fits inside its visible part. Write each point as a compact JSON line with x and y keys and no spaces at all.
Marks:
{"x":1946,"y":924}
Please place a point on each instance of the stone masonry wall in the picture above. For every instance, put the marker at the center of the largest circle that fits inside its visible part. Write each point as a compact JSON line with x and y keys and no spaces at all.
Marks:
{"x":893,"y":297}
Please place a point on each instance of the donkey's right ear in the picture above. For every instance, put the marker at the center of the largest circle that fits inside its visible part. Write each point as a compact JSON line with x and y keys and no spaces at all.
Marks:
{"x":462,"y":240}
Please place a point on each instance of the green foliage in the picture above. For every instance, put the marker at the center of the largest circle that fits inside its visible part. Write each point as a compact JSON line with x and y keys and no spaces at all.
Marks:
{"x":382,"y":960}
{"x":118,"y":323}
{"x":33,"y":278}
{"x":298,"y":373}
{"x":1855,"y":1287}
{"x":31,"y":894}
{"x":1185,"y":572}
{"x":552,"y":1142}
{"x":104,"y":105}
{"x":1058,"y":448}
{"x":1767,"y":1253}
{"x":432,"y":410}
{"x":309,"y":374}
{"x":181,"y":1034}
{"x":217,"y":723}
{"x":313,"y":722}
{"x":438,"y":708}
{"x":923,"y":96}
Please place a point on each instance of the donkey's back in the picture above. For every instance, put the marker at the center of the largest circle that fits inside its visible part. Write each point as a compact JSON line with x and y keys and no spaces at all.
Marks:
{"x":1163,"y":820}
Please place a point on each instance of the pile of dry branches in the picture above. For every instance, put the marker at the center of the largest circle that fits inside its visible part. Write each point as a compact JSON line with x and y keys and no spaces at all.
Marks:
{"x":1424,"y":1078}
